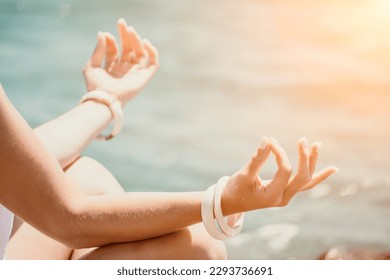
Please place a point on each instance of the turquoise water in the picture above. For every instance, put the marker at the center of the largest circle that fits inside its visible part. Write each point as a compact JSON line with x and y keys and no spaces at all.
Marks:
{"x":231,"y":72}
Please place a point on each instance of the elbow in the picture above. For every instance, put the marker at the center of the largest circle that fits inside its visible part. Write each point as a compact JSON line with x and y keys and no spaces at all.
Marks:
{"x":71,"y":228}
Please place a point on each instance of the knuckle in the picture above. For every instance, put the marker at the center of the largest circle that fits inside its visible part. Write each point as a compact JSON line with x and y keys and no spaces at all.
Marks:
{"x":257,"y":157}
{"x":286,"y":168}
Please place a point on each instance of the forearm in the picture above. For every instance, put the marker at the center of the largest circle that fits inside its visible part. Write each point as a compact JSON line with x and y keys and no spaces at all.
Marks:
{"x":69,"y":134}
{"x":127,"y":217}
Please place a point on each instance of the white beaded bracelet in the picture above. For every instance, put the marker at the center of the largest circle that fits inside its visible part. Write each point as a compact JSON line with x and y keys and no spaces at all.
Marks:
{"x":113,"y":104}
{"x":231,"y":225}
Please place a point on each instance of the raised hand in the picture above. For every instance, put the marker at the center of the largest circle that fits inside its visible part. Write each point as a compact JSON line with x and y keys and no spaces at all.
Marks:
{"x":125,"y":74}
{"x":246,"y":190}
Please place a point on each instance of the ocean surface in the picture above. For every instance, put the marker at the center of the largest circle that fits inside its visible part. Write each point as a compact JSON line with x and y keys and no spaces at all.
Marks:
{"x":231,"y":72}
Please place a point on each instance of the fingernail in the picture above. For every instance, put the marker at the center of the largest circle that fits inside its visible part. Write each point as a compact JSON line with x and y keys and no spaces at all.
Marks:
{"x":318,"y":145}
{"x":274,"y":141}
{"x":263,"y":143}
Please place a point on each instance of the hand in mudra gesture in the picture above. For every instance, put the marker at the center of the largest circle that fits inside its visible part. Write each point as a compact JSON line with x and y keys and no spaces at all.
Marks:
{"x":125,"y":74}
{"x":246,"y":190}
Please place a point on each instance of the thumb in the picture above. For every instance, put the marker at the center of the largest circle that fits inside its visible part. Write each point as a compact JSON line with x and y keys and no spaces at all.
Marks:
{"x":258,"y":158}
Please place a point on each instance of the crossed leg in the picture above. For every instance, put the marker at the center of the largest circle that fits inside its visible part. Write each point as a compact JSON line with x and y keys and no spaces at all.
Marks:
{"x":94,"y":179}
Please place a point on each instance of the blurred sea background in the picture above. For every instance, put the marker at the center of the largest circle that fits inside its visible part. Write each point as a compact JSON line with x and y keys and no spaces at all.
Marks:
{"x":231,"y":72}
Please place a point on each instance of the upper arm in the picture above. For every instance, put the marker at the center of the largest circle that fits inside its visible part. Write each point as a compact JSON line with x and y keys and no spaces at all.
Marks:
{"x":31,"y":180}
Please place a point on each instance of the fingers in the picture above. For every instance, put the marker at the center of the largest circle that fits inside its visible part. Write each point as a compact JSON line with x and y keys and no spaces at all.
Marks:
{"x":303,"y":174}
{"x":133,"y":49}
{"x":136,"y":44}
{"x":283,"y":173}
{"x":307,"y":162}
{"x":314,"y":156}
{"x":303,"y":157}
{"x":111,"y":51}
{"x":319,"y":177}
{"x":282,"y":188}
{"x":99,"y":52}
{"x":127,"y":51}
{"x":152,"y":53}
{"x":258,"y":158}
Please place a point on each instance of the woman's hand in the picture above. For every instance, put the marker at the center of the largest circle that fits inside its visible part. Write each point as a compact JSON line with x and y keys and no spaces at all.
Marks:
{"x":246,"y":191}
{"x":122,"y":75}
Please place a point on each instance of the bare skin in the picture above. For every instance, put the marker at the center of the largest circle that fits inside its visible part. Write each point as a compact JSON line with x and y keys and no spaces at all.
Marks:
{"x":94,"y":179}
{"x":33,"y":183}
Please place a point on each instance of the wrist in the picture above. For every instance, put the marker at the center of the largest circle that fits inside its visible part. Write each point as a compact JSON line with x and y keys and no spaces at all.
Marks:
{"x":122,"y":98}
{"x":98,"y":110}
{"x":216,"y":218}
{"x":230,"y":199}
{"x":114,"y":106}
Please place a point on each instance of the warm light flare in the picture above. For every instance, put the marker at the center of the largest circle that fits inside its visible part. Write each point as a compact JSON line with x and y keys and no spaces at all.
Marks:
{"x":382,"y":9}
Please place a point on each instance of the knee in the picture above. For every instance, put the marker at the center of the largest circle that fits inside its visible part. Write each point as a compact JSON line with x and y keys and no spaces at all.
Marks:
{"x":92,"y":177}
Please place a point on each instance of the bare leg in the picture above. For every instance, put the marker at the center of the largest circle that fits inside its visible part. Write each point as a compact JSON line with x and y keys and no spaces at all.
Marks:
{"x":189,"y":243}
{"x":28,"y":243}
